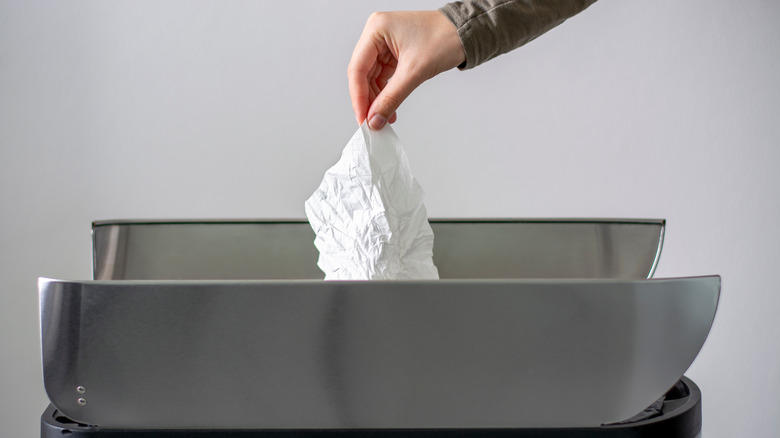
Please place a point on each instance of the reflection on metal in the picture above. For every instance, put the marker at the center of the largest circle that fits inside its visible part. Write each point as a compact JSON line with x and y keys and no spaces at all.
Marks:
{"x":412,"y":354}
{"x":521,"y":248}
{"x":222,"y":324}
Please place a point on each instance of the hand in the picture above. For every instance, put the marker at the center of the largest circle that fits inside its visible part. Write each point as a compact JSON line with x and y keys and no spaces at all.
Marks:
{"x":396,"y":53}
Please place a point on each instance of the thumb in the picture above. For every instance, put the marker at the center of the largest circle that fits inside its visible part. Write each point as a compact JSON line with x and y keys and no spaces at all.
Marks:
{"x":390,"y":98}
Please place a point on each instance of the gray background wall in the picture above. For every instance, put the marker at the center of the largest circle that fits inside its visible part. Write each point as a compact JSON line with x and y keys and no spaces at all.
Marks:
{"x":191,"y":109}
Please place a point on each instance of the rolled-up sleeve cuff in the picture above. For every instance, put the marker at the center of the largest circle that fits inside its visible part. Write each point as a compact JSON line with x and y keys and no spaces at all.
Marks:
{"x":488,"y":28}
{"x":460,"y":16}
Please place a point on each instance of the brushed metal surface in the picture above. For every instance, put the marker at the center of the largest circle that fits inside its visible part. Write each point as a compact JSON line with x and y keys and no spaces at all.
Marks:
{"x":471,"y":248}
{"x":313,"y":354}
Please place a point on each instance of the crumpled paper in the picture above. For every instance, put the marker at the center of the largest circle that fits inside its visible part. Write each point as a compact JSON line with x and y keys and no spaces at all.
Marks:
{"x":368,"y":214}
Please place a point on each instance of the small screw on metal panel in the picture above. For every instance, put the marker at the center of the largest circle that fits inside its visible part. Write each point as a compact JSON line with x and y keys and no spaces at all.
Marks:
{"x":82,"y":401}
{"x":81,"y":389}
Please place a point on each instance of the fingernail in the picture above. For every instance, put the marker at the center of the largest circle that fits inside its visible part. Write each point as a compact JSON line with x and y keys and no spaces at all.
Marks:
{"x":377,"y":122}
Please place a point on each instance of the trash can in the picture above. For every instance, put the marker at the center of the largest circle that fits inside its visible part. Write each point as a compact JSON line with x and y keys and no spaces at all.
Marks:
{"x":537,"y":328}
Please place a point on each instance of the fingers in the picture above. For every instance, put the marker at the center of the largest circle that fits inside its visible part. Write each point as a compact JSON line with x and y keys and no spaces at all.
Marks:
{"x":384,"y":107}
{"x":363,"y":62}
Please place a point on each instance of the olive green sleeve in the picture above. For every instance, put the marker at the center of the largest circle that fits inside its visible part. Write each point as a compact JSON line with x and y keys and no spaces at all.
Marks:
{"x":488,"y":28}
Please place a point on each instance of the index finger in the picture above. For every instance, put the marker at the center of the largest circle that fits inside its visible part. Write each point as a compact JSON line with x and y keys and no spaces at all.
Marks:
{"x":364,"y":59}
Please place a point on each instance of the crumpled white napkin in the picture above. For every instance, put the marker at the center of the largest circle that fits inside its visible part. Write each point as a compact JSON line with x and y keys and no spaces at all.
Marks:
{"x":368,"y":214}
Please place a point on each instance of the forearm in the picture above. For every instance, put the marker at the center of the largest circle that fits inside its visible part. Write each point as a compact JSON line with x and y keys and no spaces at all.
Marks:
{"x":488,"y":28}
